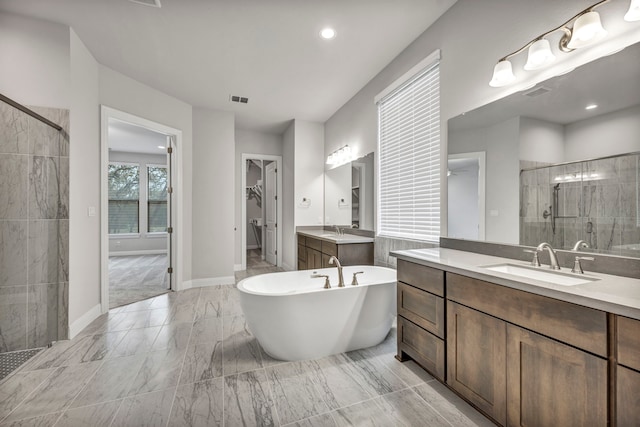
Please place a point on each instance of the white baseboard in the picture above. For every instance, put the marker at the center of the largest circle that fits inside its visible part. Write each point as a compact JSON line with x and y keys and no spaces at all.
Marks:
{"x":212,"y":281}
{"x":136,"y":253}
{"x":253,"y":247}
{"x":76,"y":327}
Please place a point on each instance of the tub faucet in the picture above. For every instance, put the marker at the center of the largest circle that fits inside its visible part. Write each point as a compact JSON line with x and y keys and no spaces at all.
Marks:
{"x":552,"y":255}
{"x":580,"y":244}
{"x":340,"y":277}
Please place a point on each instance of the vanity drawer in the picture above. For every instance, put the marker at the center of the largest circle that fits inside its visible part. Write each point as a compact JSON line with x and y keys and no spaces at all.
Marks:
{"x":314,"y":244}
{"x":422,"y":308}
{"x":426,"y":349}
{"x":582,"y":327}
{"x":420,"y":276}
{"x":330,"y":249}
{"x":629,"y":342}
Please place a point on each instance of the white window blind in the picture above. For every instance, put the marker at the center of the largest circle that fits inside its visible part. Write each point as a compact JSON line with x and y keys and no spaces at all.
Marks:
{"x":409,"y":147}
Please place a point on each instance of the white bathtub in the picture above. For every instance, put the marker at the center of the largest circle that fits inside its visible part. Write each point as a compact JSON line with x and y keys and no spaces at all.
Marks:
{"x":295,"y":318}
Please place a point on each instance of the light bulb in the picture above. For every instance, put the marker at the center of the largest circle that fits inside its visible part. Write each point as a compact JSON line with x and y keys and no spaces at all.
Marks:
{"x":539,"y":55}
{"x":502,"y":74}
{"x":586,"y":30}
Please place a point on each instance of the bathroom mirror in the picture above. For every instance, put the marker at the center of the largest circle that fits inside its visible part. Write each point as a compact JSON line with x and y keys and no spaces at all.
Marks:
{"x":348,"y":194}
{"x":561,"y":162}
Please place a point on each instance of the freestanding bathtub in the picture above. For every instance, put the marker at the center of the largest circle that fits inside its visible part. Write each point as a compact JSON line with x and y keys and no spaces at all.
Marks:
{"x":295,"y":318}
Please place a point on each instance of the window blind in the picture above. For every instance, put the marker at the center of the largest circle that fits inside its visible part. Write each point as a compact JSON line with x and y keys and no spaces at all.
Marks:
{"x":409,"y":159}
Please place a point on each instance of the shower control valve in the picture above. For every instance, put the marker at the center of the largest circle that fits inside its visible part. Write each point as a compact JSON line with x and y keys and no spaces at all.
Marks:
{"x":327,"y":284}
{"x":354,"y":282}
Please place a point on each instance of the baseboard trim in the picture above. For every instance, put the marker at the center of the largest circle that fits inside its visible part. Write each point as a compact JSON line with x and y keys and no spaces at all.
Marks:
{"x":134,"y":253}
{"x":253,"y":247}
{"x":76,"y":327}
{"x":211,"y":281}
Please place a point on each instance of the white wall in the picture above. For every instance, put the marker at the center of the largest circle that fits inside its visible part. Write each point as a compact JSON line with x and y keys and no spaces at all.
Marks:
{"x":289,"y":244}
{"x":309,"y":172}
{"x":143,"y":242}
{"x":213,"y":195}
{"x":606,"y":135}
{"x":541,"y":141}
{"x":35,"y":65}
{"x":472,"y":35}
{"x":252,"y":143}
{"x":125,"y":94}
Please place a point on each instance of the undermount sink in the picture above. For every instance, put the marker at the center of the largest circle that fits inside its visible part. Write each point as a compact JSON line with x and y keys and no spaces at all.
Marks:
{"x":542,"y":274}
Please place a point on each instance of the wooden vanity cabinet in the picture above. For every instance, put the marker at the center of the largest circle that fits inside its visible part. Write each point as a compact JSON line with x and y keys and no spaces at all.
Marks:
{"x":628,"y":372}
{"x":317,"y":252}
{"x":421,"y":320}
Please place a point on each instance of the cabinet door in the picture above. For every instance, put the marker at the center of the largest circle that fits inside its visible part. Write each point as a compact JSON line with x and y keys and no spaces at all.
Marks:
{"x":552,"y":384}
{"x":476,"y":358}
{"x":628,"y":397}
{"x":314,"y":259}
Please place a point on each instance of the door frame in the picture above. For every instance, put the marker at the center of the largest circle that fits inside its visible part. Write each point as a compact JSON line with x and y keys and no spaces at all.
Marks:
{"x":177,"y":261}
{"x":480,"y":156}
{"x":243,"y":226}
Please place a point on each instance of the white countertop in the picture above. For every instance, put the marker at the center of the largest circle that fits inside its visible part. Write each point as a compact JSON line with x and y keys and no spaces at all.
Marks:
{"x":331,"y":236}
{"x":615,"y":294}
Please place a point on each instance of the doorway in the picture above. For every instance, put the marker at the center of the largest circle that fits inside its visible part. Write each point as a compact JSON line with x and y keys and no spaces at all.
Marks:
{"x":261,"y":211}
{"x":138,"y":208}
{"x":466,"y":195}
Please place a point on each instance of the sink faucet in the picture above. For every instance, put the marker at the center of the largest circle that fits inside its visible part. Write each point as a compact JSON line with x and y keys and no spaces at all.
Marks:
{"x":339,"y":231}
{"x":552,"y":255}
{"x":580,"y":244}
{"x":340,"y":277}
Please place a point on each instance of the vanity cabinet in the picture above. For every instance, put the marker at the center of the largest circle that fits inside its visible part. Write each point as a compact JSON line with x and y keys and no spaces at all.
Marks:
{"x":520,"y":358}
{"x":315,"y":253}
{"x":628,"y":372}
{"x":421,"y":323}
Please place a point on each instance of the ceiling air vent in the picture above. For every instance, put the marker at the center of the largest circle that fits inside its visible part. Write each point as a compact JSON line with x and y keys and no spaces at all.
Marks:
{"x":537,"y":91}
{"x":152,"y":3}
{"x":240,"y":99}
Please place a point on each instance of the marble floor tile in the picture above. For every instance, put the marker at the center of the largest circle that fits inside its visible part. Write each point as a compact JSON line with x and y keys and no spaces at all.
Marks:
{"x":199,"y":404}
{"x":173,"y":336}
{"x":210,"y":304}
{"x":154,"y":317}
{"x":203,"y":361}
{"x":96,"y":347}
{"x":135,"y":278}
{"x":248,"y":401}
{"x":56,"y":392}
{"x":136,"y":341}
{"x":231,"y":302}
{"x":339,"y":381}
{"x":14,"y":389}
{"x":206,"y":330}
{"x":39,"y":421}
{"x":111,"y":381}
{"x":369,"y":413}
{"x":99,"y":415}
{"x":240,"y":350}
{"x":56,"y":355}
{"x":406,"y":408}
{"x":181,"y":313}
{"x":295,"y":394}
{"x":160,"y":370}
{"x":145,"y":410}
{"x":374,"y":376}
{"x":450,"y":406}
{"x":324,"y":420}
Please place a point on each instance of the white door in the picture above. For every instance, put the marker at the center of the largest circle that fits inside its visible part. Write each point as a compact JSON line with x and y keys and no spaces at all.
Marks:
{"x":271,"y":213}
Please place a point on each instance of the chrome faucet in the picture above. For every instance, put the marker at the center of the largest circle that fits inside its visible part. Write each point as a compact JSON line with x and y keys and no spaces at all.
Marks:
{"x":340,"y":277}
{"x":553,"y":258}
{"x":339,"y":231}
{"x":580,"y":244}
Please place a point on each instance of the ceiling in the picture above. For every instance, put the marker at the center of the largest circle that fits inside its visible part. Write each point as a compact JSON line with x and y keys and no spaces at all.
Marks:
{"x":203,"y":51}
{"x":130,"y":138}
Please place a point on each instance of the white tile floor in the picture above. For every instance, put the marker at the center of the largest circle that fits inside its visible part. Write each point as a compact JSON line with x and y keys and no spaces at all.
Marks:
{"x":188,"y":359}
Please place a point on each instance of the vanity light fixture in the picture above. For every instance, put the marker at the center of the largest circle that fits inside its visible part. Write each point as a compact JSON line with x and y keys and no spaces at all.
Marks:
{"x":584,"y":29}
{"x":340,"y":157}
{"x":634,"y":11}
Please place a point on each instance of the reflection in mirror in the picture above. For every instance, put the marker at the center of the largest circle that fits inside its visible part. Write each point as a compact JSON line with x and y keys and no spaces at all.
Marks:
{"x":348,"y":194}
{"x":465,"y":179}
{"x":559,"y":169}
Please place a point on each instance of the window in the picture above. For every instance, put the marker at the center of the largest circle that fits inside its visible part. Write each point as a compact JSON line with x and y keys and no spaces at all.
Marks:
{"x":124,"y":195}
{"x":157,"y":199}
{"x":409,"y":149}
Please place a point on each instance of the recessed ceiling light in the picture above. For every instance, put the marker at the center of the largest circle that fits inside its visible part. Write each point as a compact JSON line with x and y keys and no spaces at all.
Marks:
{"x":591,"y":106}
{"x":162,"y":147}
{"x":328,"y":33}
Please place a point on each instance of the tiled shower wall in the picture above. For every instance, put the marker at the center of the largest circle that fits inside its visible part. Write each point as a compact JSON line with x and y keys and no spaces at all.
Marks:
{"x":600,"y":205}
{"x":34,"y":228}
